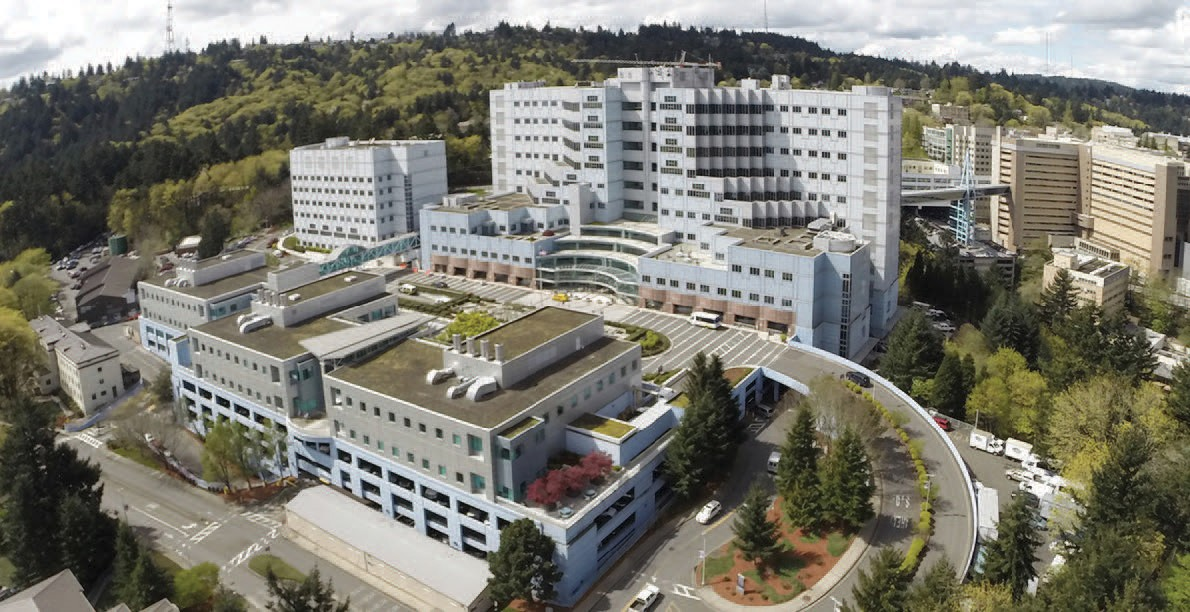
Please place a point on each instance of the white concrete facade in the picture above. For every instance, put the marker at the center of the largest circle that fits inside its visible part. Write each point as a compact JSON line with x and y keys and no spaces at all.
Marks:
{"x":348,"y":192}
{"x":79,"y":364}
{"x":665,"y":146}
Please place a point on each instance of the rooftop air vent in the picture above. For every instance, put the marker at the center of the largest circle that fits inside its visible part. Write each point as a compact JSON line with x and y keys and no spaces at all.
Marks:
{"x":293,"y":297}
{"x":456,"y":391}
{"x":350,"y":279}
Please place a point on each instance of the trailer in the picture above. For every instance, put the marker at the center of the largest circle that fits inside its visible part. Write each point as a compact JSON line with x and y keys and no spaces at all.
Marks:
{"x":1017,"y":450}
{"x":987,"y":503}
{"x":986,"y":442}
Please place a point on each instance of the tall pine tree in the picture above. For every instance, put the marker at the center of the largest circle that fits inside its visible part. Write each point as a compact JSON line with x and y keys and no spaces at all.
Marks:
{"x":1011,"y":324}
{"x":1122,"y":493}
{"x":914,"y":351}
{"x":147,"y":584}
{"x":309,"y":595}
{"x":1010,"y":557}
{"x":847,"y":486}
{"x":1058,"y":300}
{"x":756,"y":536}
{"x":950,"y":390}
{"x":938,"y":591}
{"x":883,"y":586}
{"x":1179,"y":394}
{"x":797,"y":473}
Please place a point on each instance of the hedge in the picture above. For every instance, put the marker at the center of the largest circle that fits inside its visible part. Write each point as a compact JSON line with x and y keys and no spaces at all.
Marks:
{"x":925,"y":523}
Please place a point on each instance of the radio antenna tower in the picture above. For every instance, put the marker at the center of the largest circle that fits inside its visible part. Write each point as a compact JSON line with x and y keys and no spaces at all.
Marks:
{"x":169,"y":26}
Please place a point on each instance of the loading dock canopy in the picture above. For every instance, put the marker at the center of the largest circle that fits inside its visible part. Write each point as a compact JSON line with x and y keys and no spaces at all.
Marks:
{"x":436,"y":566}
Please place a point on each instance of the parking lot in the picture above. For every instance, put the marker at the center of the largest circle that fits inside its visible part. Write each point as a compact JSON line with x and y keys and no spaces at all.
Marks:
{"x":990,"y":470}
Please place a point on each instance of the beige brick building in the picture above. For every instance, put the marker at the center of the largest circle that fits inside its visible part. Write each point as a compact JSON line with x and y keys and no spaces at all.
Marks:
{"x":1045,"y":178}
{"x":1097,"y":281}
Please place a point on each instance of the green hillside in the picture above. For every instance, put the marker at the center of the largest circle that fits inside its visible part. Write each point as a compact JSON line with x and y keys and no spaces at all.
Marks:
{"x":155,"y":146}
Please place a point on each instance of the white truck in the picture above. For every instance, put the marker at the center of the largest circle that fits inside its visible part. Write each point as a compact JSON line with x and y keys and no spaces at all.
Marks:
{"x":1016,"y":450}
{"x":645,"y":598}
{"x":986,"y":442}
{"x":987,"y":503}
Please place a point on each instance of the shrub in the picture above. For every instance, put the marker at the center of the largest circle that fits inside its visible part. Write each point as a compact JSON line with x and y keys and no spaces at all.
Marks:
{"x":913,"y":556}
{"x":290,"y":242}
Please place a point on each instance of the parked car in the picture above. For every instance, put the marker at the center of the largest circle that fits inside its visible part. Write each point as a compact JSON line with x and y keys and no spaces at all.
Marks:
{"x":1031,"y":500}
{"x":439,"y":284}
{"x":943,"y":422}
{"x":645,"y":598}
{"x":1019,"y":475}
{"x":859,"y":378}
{"x":708,"y":512}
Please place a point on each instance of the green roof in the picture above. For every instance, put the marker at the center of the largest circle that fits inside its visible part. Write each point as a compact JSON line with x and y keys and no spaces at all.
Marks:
{"x":612,"y":428}
{"x":526,"y":424}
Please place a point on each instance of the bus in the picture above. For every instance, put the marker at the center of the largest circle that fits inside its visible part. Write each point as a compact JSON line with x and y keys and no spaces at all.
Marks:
{"x":706,"y":319}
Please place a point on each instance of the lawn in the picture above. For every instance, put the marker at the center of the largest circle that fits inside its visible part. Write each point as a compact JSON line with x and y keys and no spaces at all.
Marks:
{"x":608,"y":427}
{"x":837,"y":543}
{"x":139,"y":454}
{"x":735,"y":375}
{"x":262,"y":563}
{"x":167,"y":565}
{"x":717,"y":566}
{"x":6,"y":571}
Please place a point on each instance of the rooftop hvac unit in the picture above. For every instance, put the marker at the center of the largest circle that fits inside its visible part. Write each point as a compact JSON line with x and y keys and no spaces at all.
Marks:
{"x":254,"y":324}
{"x":456,"y":391}
{"x":293,"y":297}
{"x":350,"y":279}
{"x":482,"y":387}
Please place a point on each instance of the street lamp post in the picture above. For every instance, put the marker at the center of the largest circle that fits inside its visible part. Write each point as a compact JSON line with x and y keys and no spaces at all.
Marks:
{"x":702,"y":581}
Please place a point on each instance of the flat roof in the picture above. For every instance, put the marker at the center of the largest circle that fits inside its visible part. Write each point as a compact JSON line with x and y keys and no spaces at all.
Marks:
{"x":521,"y":335}
{"x":274,"y":340}
{"x":328,"y":284}
{"x":506,"y":201}
{"x":228,"y":284}
{"x":452,"y":573}
{"x":218,"y":259}
{"x":794,"y":241}
{"x":400,"y":373}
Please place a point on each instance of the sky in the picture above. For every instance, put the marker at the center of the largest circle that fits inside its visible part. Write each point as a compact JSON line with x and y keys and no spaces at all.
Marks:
{"x":1143,"y":43}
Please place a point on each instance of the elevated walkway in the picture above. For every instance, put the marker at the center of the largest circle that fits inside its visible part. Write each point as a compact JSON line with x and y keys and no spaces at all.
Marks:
{"x":944,"y":197}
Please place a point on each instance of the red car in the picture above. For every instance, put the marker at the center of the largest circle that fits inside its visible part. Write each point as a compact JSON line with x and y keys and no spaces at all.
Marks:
{"x":943,"y":422}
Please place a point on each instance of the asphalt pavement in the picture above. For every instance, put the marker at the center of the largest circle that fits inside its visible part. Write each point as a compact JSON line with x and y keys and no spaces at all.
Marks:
{"x":193,"y":526}
{"x":669,"y":561}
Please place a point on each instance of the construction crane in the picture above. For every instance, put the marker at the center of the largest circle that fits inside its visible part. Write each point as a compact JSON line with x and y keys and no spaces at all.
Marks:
{"x":681,"y":63}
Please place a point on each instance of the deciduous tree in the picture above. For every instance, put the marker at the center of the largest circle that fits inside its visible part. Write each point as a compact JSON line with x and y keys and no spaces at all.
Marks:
{"x":1011,"y":398}
{"x":196,"y":586}
{"x":309,"y":595}
{"x":219,"y":453}
{"x":523,"y":567}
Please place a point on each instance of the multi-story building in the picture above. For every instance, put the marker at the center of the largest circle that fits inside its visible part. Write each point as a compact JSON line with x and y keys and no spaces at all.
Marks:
{"x":773,"y":207}
{"x":951,"y":145}
{"x":444,"y":437}
{"x":78,"y":363}
{"x":1136,"y":203}
{"x":350,"y":192}
{"x":196,"y":292}
{"x":1044,"y":177}
{"x":1097,"y":281}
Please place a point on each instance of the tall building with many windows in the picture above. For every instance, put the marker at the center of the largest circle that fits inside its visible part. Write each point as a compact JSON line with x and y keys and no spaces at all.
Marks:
{"x":354,"y":192}
{"x":774,"y":207}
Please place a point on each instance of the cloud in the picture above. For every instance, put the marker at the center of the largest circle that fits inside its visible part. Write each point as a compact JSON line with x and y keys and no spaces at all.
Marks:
{"x":24,"y":57}
{"x":1105,"y":36}
{"x":1121,"y":14}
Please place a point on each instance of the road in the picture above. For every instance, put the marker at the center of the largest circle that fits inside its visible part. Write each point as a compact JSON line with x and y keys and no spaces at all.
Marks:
{"x":670,"y":563}
{"x":193,"y":526}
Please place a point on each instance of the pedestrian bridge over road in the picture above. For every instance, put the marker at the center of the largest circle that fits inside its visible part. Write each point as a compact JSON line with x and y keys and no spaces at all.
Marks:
{"x":945,"y":196}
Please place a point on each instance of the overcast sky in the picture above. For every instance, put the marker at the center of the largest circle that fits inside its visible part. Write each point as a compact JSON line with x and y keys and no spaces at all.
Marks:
{"x":1136,"y":42}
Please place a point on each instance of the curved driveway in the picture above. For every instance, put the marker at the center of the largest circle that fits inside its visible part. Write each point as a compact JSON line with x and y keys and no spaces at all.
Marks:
{"x":667,"y":558}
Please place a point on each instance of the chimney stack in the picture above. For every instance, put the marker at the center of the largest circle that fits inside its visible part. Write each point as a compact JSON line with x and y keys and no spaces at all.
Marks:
{"x":500,"y":353}
{"x":483,"y":350}
{"x":471,"y":348}
{"x":457,"y":341}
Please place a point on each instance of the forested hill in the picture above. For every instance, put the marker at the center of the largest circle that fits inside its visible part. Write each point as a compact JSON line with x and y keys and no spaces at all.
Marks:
{"x":168,"y":143}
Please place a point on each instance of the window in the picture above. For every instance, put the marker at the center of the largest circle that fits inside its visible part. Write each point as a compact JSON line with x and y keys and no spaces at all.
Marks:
{"x":408,"y":423}
{"x":441,"y":470}
{"x":438,"y":432}
{"x":456,"y":439}
{"x":409,"y":457}
{"x":421,"y":427}
{"x":425,"y":464}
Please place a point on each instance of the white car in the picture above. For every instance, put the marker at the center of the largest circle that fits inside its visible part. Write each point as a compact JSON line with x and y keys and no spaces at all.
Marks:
{"x":708,"y":512}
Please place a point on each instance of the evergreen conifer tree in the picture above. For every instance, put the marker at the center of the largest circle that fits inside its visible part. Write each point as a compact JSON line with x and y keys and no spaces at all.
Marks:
{"x":147,"y":584}
{"x":950,"y":390}
{"x":1179,"y":394}
{"x":1010,"y":557}
{"x":797,"y":473}
{"x":1058,"y":300}
{"x":756,"y":536}
{"x":938,"y":590}
{"x":1010,"y":324}
{"x":914,"y":351}
{"x":883,"y":586}
{"x":309,"y":595}
{"x":847,"y":486}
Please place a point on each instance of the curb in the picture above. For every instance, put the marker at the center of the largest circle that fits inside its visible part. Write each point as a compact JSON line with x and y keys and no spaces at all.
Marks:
{"x":847,"y":563}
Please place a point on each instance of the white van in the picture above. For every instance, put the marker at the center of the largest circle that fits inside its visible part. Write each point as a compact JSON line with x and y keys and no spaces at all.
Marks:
{"x":407,"y":289}
{"x":774,"y":461}
{"x":706,"y":319}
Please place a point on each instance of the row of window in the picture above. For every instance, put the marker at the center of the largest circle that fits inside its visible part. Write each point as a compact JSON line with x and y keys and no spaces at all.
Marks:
{"x":721,"y":291}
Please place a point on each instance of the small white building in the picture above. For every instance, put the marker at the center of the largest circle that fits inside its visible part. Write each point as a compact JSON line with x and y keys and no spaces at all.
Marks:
{"x":363,"y":192}
{"x":80,"y":364}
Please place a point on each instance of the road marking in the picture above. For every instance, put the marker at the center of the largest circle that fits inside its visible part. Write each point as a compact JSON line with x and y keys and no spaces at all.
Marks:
{"x":206,"y":531}
{"x":685,"y":591}
{"x":151,"y":505}
{"x":261,"y":519}
{"x":88,"y":439}
{"x":243,"y":556}
{"x":900,"y":522}
{"x":158,"y":520}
